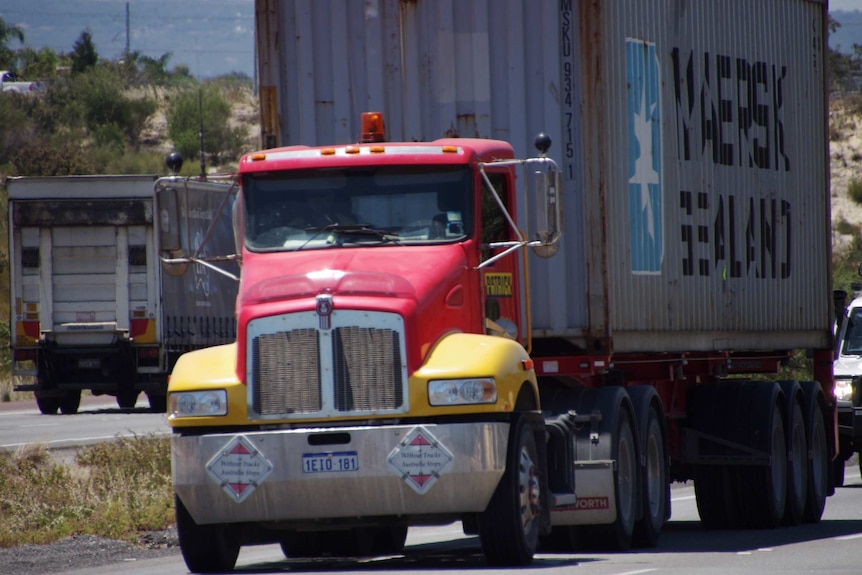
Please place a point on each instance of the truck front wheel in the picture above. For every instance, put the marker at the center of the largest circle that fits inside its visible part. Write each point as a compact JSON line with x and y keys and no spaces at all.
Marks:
{"x":205,"y":548}
{"x":509,"y":527}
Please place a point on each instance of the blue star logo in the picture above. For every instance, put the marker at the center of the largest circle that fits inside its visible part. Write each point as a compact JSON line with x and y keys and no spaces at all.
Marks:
{"x":644,"y":131}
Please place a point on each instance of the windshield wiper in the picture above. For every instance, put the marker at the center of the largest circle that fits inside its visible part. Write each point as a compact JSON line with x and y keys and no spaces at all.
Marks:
{"x":359,"y":229}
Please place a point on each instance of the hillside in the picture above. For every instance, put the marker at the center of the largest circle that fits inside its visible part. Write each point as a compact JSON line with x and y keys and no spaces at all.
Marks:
{"x":845,"y":152}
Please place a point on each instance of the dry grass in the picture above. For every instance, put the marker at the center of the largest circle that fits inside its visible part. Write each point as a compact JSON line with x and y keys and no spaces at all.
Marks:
{"x":114,"y":489}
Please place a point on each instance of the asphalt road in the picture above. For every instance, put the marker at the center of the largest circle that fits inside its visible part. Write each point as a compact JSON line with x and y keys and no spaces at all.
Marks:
{"x":831,"y":547}
{"x":99,"y":419}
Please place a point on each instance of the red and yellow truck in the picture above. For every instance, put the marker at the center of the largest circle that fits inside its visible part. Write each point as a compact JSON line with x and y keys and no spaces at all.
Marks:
{"x":434,"y":326}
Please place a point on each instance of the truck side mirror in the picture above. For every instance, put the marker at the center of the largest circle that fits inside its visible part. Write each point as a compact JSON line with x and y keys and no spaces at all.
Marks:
{"x":168,"y":206}
{"x":545,"y":209}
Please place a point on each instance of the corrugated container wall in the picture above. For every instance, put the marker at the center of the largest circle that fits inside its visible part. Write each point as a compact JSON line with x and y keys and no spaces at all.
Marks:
{"x":691,"y":135}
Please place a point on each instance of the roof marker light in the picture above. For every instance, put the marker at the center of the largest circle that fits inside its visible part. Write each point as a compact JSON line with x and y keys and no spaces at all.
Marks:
{"x":450,"y":149}
{"x":351,"y":150}
{"x":327,"y":152}
{"x":258,"y":157}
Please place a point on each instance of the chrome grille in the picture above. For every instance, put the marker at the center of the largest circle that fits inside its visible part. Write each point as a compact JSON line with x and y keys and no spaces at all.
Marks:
{"x":367,"y":369}
{"x":286,"y":372}
{"x":355,"y":367}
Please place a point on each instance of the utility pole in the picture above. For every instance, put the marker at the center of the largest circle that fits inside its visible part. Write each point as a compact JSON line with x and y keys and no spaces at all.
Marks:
{"x":127,"y":28}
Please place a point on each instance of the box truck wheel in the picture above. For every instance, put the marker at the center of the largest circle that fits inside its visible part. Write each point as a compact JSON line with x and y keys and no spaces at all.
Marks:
{"x":205,"y":548}
{"x":509,"y":527}
{"x":48,"y":405}
{"x":70,"y":402}
{"x":127,"y":398}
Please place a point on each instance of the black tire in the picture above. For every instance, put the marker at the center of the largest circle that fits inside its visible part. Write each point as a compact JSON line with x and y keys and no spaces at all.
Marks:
{"x":561,"y":539}
{"x":715,"y":488}
{"x":70,"y":402}
{"x":205,"y":548}
{"x":390,"y":540}
{"x":618,"y":535}
{"x":158,"y":401}
{"x":509,"y":527}
{"x":300,"y":545}
{"x":818,"y":467}
{"x":767,"y":491}
{"x":838,"y":472}
{"x":654,"y":483}
{"x":797,"y":468}
{"x":126,"y":399}
{"x":48,"y":405}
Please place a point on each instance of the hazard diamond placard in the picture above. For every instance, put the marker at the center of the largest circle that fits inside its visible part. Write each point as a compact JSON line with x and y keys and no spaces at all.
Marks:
{"x":239,"y":468}
{"x":420,"y":459}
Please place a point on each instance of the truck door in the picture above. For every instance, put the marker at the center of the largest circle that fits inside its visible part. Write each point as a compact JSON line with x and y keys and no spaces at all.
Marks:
{"x":501,"y":293}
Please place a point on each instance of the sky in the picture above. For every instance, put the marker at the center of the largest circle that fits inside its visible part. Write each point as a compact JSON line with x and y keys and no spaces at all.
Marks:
{"x":848,"y":5}
{"x":212,"y":37}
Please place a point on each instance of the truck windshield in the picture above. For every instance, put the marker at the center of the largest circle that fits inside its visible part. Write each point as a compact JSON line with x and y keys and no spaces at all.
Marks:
{"x":853,"y":334}
{"x":315,"y":209}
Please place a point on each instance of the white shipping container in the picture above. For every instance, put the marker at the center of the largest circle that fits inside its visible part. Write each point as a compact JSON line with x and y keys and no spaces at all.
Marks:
{"x":692,"y":137}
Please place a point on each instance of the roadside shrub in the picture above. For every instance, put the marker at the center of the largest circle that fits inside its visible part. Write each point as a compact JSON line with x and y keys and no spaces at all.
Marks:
{"x":854,"y":190}
{"x":844,"y":227}
{"x":114,"y":489}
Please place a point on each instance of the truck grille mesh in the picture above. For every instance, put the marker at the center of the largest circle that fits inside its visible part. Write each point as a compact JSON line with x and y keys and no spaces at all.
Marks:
{"x":367,"y":369}
{"x":287,"y":372}
{"x":367,"y":373}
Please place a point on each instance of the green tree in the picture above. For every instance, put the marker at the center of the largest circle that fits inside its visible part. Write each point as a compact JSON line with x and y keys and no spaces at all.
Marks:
{"x":9,"y":32}
{"x":38,"y":65}
{"x":84,"y":54}
{"x":204,"y":107}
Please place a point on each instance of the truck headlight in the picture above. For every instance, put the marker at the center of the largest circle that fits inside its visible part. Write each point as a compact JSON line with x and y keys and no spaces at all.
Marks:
{"x":462,"y":391}
{"x":843,"y":390}
{"x":198,"y":403}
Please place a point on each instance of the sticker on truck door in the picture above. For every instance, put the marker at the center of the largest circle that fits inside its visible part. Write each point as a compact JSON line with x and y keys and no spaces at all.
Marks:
{"x":420,"y":459}
{"x":239,"y":468}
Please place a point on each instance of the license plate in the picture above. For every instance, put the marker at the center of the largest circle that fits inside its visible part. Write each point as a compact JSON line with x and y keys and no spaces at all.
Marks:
{"x":88,"y":364}
{"x":331,"y":462}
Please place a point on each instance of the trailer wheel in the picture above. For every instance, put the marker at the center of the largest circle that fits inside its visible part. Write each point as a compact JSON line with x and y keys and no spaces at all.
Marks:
{"x":714,"y":491}
{"x":618,"y":535}
{"x":797,"y":469}
{"x":70,"y":402}
{"x":768,"y":492}
{"x":818,"y":465}
{"x":205,"y":548}
{"x":654,"y":485}
{"x":509,"y":527}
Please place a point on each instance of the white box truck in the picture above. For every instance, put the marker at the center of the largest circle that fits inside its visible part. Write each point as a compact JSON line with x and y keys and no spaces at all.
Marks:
{"x":91,"y":306}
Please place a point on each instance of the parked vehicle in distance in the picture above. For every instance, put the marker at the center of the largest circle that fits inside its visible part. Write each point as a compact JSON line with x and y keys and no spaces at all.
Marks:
{"x":92,"y":307}
{"x":10,"y":83}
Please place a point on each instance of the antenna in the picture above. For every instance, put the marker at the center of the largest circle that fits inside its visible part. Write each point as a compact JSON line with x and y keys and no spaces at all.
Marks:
{"x":201,"y":132}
